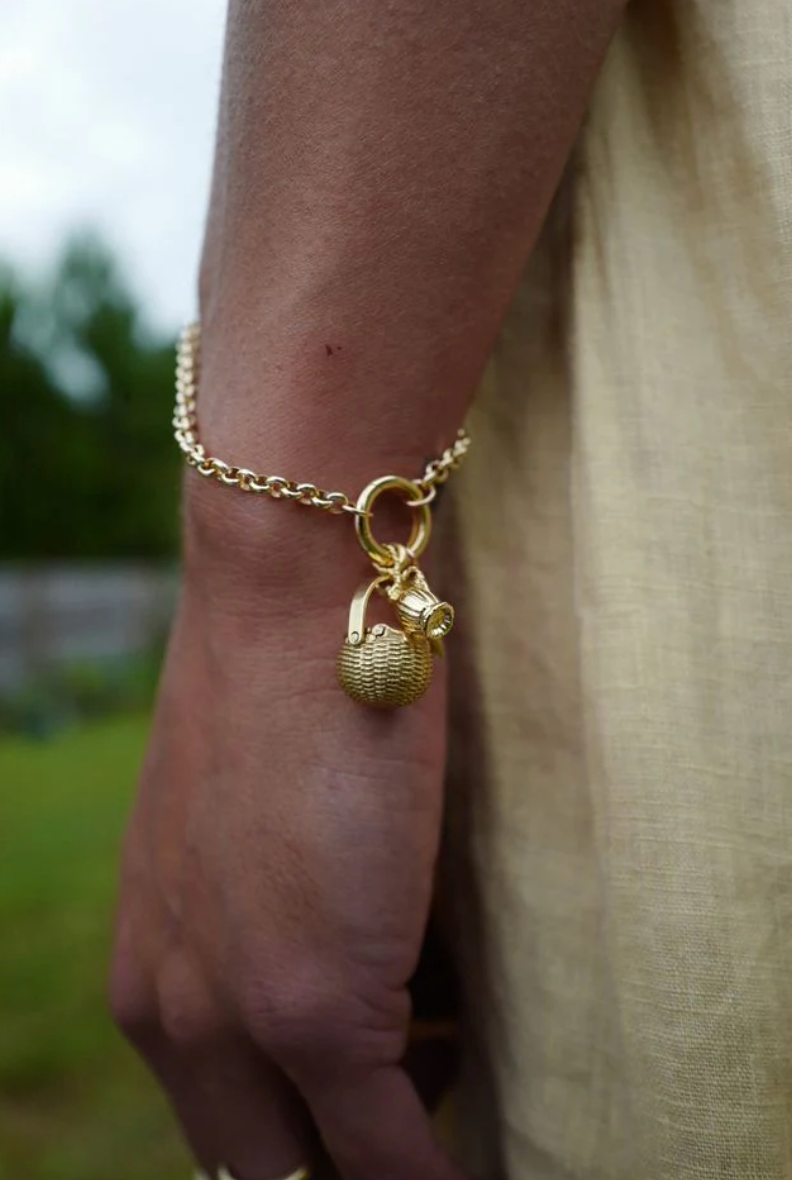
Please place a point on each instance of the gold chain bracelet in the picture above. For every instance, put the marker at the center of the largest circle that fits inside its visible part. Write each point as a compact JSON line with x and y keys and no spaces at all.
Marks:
{"x":379,"y":665}
{"x":185,"y":426}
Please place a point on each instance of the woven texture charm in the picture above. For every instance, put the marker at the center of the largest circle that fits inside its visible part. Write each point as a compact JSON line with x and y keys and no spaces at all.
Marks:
{"x":377,"y":666}
{"x":386,"y":669}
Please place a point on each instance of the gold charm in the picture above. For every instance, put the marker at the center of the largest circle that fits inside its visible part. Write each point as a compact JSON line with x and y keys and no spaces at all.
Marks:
{"x":420,"y":611}
{"x":381,"y":666}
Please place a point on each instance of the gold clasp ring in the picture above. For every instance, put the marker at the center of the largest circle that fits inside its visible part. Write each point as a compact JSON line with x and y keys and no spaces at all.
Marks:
{"x":421,"y":529}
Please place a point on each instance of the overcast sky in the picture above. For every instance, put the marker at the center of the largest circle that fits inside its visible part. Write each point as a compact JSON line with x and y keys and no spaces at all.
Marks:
{"x":107,"y":112}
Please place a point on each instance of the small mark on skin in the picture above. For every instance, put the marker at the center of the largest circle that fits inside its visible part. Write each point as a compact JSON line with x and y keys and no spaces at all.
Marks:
{"x":330,"y":350}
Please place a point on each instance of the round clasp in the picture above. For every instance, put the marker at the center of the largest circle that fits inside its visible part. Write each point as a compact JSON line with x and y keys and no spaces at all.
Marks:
{"x":421,"y":529}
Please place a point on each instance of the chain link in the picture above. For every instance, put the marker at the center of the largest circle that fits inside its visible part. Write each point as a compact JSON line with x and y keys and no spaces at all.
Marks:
{"x":185,"y":429}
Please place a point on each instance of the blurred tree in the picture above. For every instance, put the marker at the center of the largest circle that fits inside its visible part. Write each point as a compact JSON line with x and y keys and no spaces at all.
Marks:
{"x":88,"y":468}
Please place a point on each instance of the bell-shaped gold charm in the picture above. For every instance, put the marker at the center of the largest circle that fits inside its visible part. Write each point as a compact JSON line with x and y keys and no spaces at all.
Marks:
{"x":381,"y":666}
{"x":420,"y":611}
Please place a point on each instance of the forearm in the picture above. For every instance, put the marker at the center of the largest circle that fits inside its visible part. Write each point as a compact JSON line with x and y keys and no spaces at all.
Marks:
{"x":383,"y":169}
{"x":382,"y":172}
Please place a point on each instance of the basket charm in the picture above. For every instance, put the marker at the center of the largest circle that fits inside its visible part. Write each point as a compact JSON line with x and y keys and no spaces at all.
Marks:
{"x":382,"y":666}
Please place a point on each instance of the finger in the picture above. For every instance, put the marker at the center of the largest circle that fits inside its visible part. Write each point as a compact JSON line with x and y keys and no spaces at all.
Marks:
{"x":237,"y":1111}
{"x":236,"y":1108}
{"x":375,"y":1128}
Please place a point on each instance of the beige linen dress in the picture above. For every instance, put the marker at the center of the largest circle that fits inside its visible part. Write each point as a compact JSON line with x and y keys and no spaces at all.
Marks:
{"x":619,"y":851}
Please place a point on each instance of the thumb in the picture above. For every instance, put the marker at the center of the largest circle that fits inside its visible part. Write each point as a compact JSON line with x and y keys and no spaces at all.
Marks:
{"x":375,"y":1127}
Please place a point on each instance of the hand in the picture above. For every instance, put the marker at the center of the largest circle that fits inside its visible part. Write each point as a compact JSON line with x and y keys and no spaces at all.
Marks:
{"x":277,"y":877}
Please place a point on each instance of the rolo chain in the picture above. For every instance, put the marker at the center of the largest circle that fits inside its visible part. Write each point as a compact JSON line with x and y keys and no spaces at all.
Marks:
{"x":380,"y":666}
{"x":185,"y":426}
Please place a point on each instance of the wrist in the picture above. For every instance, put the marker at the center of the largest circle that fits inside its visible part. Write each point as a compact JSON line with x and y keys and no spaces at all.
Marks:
{"x":379,"y":665}
{"x":247,"y":548}
{"x":235,"y":433}
{"x":286,"y":400}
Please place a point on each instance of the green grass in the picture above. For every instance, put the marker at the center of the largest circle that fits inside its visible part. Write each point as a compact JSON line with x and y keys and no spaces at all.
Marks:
{"x":75,"y":1103}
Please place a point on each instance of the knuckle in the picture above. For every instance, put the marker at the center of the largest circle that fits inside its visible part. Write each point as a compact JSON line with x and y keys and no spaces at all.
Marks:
{"x":133,"y":1004}
{"x":311,"y":1024}
{"x":315,"y":1023}
{"x":189,"y":1018}
{"x":186,"y":1026}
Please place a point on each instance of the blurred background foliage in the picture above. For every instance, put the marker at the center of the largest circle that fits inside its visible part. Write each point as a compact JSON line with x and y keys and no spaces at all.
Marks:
{"x":88,"y":468}
{"x":75,"y":1102}
{"x":89,"y":480}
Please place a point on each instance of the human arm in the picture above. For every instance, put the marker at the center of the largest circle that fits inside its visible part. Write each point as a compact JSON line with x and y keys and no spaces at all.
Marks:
{"x":382,"y":172}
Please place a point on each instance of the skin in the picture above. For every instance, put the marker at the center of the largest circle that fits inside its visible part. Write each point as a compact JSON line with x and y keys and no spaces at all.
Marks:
{"x":382,"y":172}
